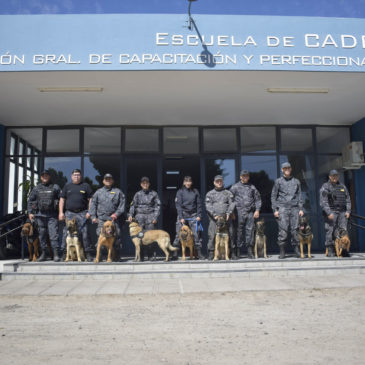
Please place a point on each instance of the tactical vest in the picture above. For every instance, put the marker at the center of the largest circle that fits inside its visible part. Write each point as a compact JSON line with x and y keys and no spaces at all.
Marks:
{"x":337,"y":198}
{"x":46,"y":200}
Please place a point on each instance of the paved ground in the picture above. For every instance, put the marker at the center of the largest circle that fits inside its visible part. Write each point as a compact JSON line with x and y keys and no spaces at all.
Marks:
{"x":321,"y":326}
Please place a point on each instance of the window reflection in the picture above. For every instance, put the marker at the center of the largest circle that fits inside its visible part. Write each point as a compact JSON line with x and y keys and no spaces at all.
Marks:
{"x":60,"y":168}
{"x":258,"y":139}
{"x":296,"y":139}
{"x":225,"y":167}
{"x":263,"y":173}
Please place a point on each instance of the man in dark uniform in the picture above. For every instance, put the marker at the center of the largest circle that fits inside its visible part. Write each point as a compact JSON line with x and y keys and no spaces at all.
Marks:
{"x":336,"y":206}
{"x":75,"y":197}
{"x":108,"y":203}
{"x":248,"y":205}
{"x":43,"y":206}
{"x":219,"y":202}
{"x":145,"y":208}
{"x":287,"y":205}
{"x":189,"y":212}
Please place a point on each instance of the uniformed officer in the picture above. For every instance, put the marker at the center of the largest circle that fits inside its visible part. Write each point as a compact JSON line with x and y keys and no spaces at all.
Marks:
{"x":336,"y":206}
{"x":248,"y":205}
{"x":43,"y":207}
{"x":145,"y":208}
{"x":75,"y":198}
{"x":108,"y":203}
{"x":219,"y":202}
{"x":189,"y":211}
{"x":287,"y":205}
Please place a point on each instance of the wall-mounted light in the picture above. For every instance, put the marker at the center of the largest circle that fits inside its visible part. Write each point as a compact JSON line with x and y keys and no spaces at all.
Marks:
{"x":297,"y":90}
{"x":70,"y":89}
{"x":191,"y":20}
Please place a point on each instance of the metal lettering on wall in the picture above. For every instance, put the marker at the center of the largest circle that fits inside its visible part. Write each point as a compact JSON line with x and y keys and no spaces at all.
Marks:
{"x":161,"y":42}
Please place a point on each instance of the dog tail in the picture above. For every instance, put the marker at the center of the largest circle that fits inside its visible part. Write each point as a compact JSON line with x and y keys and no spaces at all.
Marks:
{"x":171,"y":247}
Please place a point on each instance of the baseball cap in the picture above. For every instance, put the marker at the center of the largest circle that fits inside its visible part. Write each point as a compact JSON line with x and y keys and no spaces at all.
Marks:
{"x":218,"y":177}
{"x":285,"y":165}
{"x":108,"y":176}
{"x":145,"y":178}
{"x":333,"y":172}
{"x":244,"y":172}
{"x":45,"y":172}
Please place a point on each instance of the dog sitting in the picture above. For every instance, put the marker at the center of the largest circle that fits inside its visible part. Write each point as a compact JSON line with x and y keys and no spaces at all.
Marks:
{"x":221,"y":248}
{"x":342,"y":243}
{"x":106,"y":239}
{"x":31,"y":236}
{"x":305,"y":236}
{"x":260,"y":240}
{"x":186,"y":238}
{"x":74,"y":248}
{"x":146,"y":238}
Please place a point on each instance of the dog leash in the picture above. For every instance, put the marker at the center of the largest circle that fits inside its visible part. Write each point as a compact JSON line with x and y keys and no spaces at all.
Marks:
{"x":198,"y":225}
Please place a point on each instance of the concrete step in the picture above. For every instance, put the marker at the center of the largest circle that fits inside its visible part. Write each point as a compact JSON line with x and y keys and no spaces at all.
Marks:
{"x":272,"y":267}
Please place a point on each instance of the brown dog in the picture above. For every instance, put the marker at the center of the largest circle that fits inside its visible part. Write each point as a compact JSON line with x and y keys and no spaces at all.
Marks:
{"x":221,"y":248}
{"x":186,"y":238}
{"x":260,"y":240}
{"x":31,"y":236}
{"x":146,"y":238}
{"x":305,"y":236}
{"x":75,"y":251}
{"x":106,"y":239}
{"x":342,"y":243}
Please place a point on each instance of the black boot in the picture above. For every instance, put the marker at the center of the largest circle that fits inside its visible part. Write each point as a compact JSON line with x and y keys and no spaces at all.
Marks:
{"x":297,"y":252}
{"x":199,"y":253}
{"x":238,"y":250}
{"x":250,"y":253}
{"x":233,"y":255}
{"x":211,"y":255}
{"x":89,"y":257}
{"x":56,"y":258}
{"x":42,"y":257}
{"x":175,"y":255}
{"x":63,"y":255}
{"x":282,"y":252}
{"x":331,"y":251}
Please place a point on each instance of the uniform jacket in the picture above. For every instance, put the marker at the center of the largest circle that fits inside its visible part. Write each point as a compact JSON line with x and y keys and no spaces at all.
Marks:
{"x":246,"y":197}
{"x":286,"y":193}
{"x":188,"y":203}
{"x":334,"y":198}
{"x":49,"y":192}
{"x":107,"y":201}
{"x":219,"y":202}
{"x":145,"y":202}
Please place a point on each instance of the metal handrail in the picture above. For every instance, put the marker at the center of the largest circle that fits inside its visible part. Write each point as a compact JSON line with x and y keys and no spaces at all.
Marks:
{"x":12,"y":220}
{"x":357,"y":216}
{"x":8,"y":232}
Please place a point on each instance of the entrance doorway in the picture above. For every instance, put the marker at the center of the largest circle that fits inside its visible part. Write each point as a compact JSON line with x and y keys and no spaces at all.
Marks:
{"x":174,"y":170}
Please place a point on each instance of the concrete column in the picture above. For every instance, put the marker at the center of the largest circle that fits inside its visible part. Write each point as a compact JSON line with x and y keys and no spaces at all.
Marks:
{"x":358,"y":134}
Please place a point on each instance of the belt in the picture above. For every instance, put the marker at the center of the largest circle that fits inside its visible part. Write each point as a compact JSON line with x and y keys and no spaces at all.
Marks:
{"x":76,"y":210}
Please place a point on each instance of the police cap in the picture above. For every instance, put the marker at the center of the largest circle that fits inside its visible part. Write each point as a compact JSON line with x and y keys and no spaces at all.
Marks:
{"x":333,"y":172}
{"x":145,"y":178}
{"x":285,"y":165}
{"x":108,"y":176}
{"x":45,"y":172}
{"x":218,"y":177}
{"x":244,"y":172}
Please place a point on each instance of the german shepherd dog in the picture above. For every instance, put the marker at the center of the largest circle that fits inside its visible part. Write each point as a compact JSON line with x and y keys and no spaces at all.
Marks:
{"x":221,"y":248}
{"x":305,"y":236}
{"x":75,"y":251}
{"x":146,"y":238}
{"x":106,"y":239}
{"x":342,"y":243}
{"x":186,"y":238}
{"x":260,"y":240}
{"x":29,"y":231}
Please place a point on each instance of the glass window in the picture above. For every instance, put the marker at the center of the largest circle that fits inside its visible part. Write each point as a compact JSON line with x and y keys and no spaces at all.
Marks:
{"x":220,"y":139}
{"x":326,"y":164}
{"x":63,"y":140}
{"x":331,"y":140}
{"x":11,"y":187}
{"x":102,"y":140}
{"x":20,"y":187}
{"x":61,"y":168}
{"x":95,"y":167}
{"x":141,"y":140}
{"x":225,"y":167}
{"x":263,"y":173}
{"x":258,"y":139}
{"x":181,"y":140}
{"x":302,"y":169}
{"x":296,"y":139}
{"x":31,"y":136}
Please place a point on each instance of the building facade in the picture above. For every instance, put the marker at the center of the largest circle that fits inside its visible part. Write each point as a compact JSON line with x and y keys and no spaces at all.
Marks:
{"x":165,"y":95}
